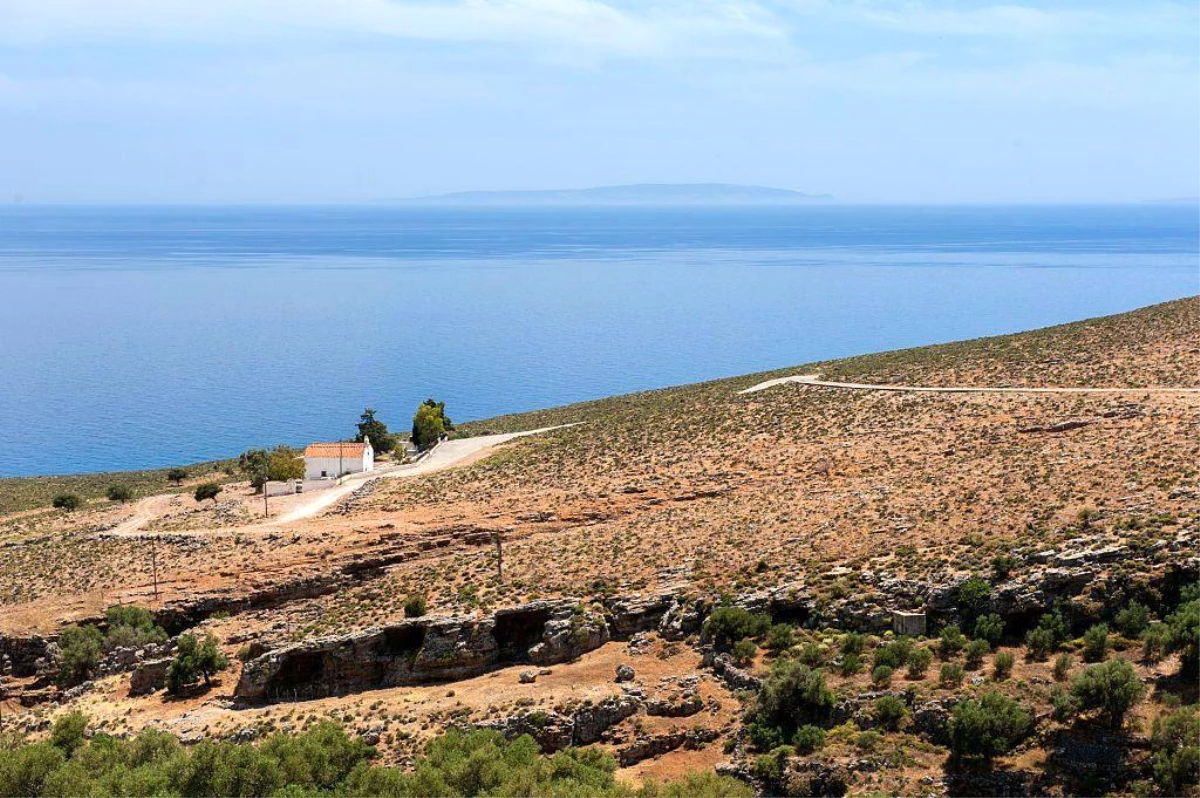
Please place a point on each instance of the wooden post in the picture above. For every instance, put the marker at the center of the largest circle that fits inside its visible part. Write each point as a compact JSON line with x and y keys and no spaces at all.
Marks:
{"x":154,"y":565}
{"x":500,"y":558}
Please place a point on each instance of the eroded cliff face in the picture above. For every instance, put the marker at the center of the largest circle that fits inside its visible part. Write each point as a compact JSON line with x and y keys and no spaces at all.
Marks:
{"x":424,"y":650}
{"x":449,"y":648}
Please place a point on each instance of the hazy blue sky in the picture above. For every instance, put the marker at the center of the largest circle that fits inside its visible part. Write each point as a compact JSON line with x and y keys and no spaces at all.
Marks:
{"x":344,"y":100}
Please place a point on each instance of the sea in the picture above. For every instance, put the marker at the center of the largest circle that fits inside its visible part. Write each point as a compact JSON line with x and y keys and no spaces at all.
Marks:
{"x":137,"y":337}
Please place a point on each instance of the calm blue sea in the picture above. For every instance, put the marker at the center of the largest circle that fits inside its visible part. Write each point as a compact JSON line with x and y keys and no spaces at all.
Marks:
{"x":139,"y":337}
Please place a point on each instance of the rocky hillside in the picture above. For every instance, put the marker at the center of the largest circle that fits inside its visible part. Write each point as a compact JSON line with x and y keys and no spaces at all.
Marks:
{"x":814,"y":590}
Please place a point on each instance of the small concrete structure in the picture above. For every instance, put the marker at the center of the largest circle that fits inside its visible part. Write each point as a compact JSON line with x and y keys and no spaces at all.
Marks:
{"x":331,"y":460}
{"x":910,"y":624}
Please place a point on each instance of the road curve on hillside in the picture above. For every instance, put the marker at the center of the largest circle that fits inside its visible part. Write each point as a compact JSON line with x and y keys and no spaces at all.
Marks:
{"x":815,"y":380}
{"x":445,"y":455}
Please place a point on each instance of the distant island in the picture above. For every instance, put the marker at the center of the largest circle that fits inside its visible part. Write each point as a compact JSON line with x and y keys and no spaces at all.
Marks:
{"x":635,"y":194}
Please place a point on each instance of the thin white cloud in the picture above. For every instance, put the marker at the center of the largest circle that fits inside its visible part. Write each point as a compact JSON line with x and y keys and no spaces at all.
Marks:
{"x":946,"y":18}
{"x":643,"y":29}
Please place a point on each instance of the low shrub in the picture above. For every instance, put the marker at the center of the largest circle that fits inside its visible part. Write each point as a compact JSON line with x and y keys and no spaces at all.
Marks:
{"x":988,"y":727}
{"x":1002,"y":665}
{"x":890,"y":712}
{"x":744,"y":652}
{"x":918,"y":663}
{"x":1095,"y":643}
{"x":990,"y":628}
{"x":780,"y":637}
{"x":808,"y":738}
{"x":79,"y":651}
{"x":414,"y":606}
{"x":207,"y":490}
{"x":1132,"y":620}
{"x":792,"y":695}
{"x":727,"y":625}
{"x":1062,"y":666}
{"x":1112,"y":688}
{"x":951,"y":675}
{"x":951,"y":641}
{"x":119,"y":493}
{"x":975,"y":651}
{"x":66,"y":501}
{"x":1175,"y":743}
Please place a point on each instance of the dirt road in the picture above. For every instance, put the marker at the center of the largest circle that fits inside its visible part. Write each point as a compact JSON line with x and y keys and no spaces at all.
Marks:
{"x":815,"y":379}
{"x":447,"y":454}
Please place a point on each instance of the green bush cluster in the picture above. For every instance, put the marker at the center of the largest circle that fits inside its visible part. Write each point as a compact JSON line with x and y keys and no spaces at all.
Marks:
{"x":727,"y":625}
{"x":414,"y":606}
{"x":1175,"y":742}
{"x":974,"y":600}
{"x":1112,"y":688}
{"x":195,"y":659}
{"x":1047,"y":636}
{"x":988,"y":727}
{"x":792,"y":696}
{"x":81,"y":647}
{"x":951,"y":641}
{"x":67,"y":501}
{"x":321,"y":761}
{"x":1095,"y":643}
{"x":430,"y":423}
{"x":119,"y":493}
{"x":206,"y":490}
{"x":1183,"y":634}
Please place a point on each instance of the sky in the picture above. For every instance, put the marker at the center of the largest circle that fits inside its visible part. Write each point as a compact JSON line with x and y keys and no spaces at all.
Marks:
{"x":315,"y":101}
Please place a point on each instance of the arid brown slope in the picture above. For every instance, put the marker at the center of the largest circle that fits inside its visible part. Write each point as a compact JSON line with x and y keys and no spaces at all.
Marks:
{"x":699,"y":490}
{"x":705,"y":489}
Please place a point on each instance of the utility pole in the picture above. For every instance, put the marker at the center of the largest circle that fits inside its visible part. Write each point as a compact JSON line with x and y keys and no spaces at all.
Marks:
{"x":266,"y":509}
{"x":340,"y":469}
{"x":500,"y":558}
{"x":154,"y":565}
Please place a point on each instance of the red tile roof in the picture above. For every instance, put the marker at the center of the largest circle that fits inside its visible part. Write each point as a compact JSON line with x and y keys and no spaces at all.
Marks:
{"x":334,"y":450}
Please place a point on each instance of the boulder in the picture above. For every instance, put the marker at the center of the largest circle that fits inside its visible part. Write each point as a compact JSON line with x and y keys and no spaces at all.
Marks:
{"x":149,"y":676}
{"x":677,"y":708}
{"x":733,"y":676}
{"x":591,"y":721}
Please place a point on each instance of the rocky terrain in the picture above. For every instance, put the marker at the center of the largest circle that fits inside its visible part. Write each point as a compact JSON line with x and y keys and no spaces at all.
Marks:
{"x":573,"y":586}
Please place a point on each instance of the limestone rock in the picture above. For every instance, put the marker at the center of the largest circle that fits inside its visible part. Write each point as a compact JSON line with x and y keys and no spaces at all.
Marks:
{"x":149,"y":676}
{"x":422,"y":650}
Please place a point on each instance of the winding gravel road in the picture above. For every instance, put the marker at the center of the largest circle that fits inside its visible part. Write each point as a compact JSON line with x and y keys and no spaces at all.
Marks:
{"x":815,"y":379}
{"x":446,"y":454}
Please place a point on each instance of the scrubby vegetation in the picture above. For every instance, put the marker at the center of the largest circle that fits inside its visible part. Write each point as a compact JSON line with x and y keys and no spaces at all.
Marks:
{"x":27,"y":493}
{"x":321,"y":761}
{"x":988,"y":727}
{"x":1052,"y":562}
{"x":728,"y":625}
{"x":81,"y":647}
{"x":792,"y":696}
{"x":207,"y":490}
{"x":430,"y":423}
{"x":196,"y":658}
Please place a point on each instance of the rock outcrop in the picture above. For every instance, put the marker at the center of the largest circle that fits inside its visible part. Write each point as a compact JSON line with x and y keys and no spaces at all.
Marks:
{"x":424,"y":650}
{"x":555,"y":731}
{"x":149,"y":676}
{"x":19,"y":655}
